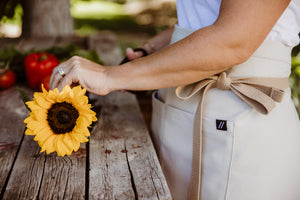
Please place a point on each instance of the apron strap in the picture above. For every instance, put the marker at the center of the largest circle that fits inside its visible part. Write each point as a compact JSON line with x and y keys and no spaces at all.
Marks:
{"x":258,"y":92}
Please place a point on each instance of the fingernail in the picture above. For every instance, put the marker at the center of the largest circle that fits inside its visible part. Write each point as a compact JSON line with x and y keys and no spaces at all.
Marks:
{"x":138,"y":53}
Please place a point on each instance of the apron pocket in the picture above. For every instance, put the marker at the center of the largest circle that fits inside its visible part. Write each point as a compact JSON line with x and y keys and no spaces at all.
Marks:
{"x":172,"y":132}
{"x":157,"y":124}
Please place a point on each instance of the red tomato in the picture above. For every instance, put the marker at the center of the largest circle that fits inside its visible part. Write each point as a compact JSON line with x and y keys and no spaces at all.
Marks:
{"x":45,"y":82}
{"x":38,"y":66}
{"x":7,"y":79}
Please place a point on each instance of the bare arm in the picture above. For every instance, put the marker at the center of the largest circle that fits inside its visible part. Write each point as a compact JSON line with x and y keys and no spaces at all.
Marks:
{"x":239,"y":30}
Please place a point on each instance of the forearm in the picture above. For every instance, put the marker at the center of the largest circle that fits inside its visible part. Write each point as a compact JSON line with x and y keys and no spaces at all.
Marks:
{"x":228,"y":42}
{"x":176,"y":64}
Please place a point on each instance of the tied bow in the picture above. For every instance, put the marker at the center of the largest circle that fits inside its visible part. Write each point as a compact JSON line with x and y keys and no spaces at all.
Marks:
{"x":259,"y":92}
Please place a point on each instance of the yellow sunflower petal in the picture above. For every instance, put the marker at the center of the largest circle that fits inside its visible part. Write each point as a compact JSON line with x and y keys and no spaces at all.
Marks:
{"x":42,"y":101}
{"x":80,"y":101}
{"x":80,"y":138}
{"x":36,"y":126}
{"x":42,"y":135}
{"x":82,"y":130}
{"x":68,"y":144}
{"x":67,"y":93}
{"x":48,"y":146}
{"x":78,"y":91}
{"x":62,"y":148}
{"x":57,"y":146}
{"x":44,"y":90}
{"x":82,"y":121}
{"x":29,"y":132}
{"x":53,"y":94}
{"x":73,"y":141}
{"x":28,"y":119}
{"x":85,"y":131}
{"x":89,"y":114}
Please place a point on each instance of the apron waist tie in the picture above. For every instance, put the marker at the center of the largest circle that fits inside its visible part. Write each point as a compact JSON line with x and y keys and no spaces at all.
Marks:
{"x":258,"y":92}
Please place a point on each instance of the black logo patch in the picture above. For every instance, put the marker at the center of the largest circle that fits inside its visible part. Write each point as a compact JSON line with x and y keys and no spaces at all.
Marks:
{"x":221,"y":125}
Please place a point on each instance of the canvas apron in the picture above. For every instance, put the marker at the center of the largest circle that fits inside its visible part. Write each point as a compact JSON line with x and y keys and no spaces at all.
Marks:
{"x":245,"y":154}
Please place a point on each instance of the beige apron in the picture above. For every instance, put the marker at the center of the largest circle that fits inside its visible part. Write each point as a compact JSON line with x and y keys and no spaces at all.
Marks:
{"x":246,"y":155}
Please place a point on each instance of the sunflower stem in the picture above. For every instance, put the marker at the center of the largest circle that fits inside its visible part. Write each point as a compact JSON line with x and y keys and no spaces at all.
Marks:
{"x":24,"y":97}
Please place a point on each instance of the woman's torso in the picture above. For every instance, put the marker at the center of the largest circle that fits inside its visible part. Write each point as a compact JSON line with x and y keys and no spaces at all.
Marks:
{"x":195,"y":14}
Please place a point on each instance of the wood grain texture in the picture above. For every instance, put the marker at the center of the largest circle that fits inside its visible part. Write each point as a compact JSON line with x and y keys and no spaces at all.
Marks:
{"x":13,"y":112}
{"x":27,"y":174}
{"x":64,"y":177}
{"x":39,"y":176}
{"x":123,"y":163}
{"x":29,"y":43}
{"x":34,"y":175}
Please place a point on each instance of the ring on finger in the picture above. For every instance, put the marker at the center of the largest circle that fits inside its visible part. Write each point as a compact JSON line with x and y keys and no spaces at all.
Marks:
{"x":61,"y":71}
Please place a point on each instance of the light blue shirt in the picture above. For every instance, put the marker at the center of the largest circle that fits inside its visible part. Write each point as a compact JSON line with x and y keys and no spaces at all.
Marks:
{"x":196,"y":14}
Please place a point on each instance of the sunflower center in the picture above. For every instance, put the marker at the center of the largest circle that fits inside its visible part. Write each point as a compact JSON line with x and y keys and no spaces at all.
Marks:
{"x":62,"y":117}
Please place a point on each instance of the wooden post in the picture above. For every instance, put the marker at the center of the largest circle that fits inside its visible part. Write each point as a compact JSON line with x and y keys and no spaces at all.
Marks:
{"x":47,"y":18}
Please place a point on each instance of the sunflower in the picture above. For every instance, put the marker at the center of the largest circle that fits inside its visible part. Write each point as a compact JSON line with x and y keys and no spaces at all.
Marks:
{"x":60,"y":120}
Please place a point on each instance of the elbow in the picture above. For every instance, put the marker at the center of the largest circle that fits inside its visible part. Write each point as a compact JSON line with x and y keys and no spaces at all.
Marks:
{"x":241,"y":54}
{"x":239,"y":51}
{"x":237,"y":45}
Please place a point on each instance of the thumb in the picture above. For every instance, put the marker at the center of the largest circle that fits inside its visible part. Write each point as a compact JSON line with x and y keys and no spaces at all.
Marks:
{"x":131,"y":54}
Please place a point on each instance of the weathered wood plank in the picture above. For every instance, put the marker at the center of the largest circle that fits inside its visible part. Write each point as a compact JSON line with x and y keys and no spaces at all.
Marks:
{"x":28,"y":43}
{"x":36,"y":43}
{"x":13,"y":112}
{"x":27,"y":173}
{"x":123,"y":162}
{"x":35,"y":175}
{"x":39,"y":176}
{"x":109,"y":174}
{"x":64,"y":177}
{"x":40,"y":43}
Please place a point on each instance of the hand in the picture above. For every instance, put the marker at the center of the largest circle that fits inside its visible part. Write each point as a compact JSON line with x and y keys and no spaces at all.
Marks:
{"x":78,"y":70}
{"x":131,"y":54}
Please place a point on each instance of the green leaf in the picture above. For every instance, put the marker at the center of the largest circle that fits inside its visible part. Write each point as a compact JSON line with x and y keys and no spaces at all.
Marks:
{"x":88,"y":54}
{"x":295,"y":60}
{"x":62,"y":52}
{"x":24,"y":97}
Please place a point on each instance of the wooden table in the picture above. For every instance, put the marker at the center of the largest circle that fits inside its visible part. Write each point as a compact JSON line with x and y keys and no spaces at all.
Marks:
{"x":118,"y":162}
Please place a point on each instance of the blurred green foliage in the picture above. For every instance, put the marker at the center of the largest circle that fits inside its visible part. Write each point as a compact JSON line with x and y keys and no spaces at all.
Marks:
{"x":114,"y":1}
{"x":11,"y":12}
{"x":93,"y":15}
{"x":7,"y":8}
{"x":295,"y":81}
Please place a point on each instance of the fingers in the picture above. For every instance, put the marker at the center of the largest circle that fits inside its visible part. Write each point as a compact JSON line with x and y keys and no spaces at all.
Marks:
{"x":131,"y":54}
{"x":81,"y":71}
{"x":57,"y":79}
{"x":66,"y":80}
